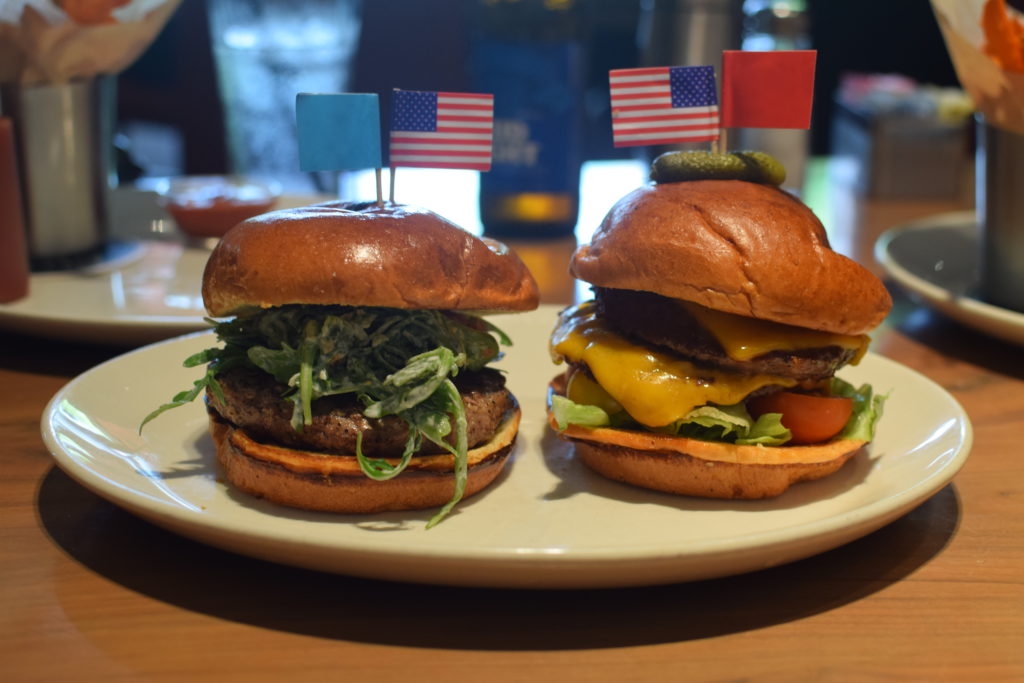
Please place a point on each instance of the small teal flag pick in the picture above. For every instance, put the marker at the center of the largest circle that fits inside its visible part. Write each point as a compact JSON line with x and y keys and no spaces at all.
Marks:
{"x":338,"y":131}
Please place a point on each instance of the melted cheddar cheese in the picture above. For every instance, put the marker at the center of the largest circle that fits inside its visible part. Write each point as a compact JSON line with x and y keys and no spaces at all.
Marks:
{"x":745,"y":338}
{"x":655,"y":388}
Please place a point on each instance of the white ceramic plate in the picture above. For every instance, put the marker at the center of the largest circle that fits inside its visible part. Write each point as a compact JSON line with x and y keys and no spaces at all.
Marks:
{"x":547,"y":522}
{"x":936,"y":259}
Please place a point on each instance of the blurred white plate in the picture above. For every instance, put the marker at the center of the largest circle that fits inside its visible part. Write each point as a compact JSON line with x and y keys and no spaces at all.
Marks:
{"x":143,"y":292}
{"x":146,"y":288}
{"x":936,"y":259}
{"x":547,"y":522}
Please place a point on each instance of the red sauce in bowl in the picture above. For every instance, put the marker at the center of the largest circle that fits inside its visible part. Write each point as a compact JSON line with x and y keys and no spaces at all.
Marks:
{"x":215,"y":217}
{"x":209,"y":206}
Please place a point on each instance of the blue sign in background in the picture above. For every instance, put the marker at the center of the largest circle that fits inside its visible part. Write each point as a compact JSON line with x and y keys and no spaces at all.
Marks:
{"x":538,"y":114}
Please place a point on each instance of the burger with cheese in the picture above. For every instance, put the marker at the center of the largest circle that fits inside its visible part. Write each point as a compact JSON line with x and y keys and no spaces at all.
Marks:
{"x":705,"y":363}
{"x":352,"y":372}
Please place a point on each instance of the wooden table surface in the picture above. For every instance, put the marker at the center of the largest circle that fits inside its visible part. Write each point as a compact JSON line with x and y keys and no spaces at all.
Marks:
{"x":90,"y":592}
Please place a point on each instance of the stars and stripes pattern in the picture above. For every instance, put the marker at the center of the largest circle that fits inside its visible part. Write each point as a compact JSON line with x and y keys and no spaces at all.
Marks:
{"x":442,"y":129}
{"x":663,"y":105}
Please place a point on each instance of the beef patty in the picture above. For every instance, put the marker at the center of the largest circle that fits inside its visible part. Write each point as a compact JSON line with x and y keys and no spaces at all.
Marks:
{"x":661,"y":321}
{"x":252,"y":401}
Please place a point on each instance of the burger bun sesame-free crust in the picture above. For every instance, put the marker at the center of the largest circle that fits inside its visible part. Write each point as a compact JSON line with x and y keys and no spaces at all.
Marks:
{"x":393,"y":256}
{"x":733,"y":246}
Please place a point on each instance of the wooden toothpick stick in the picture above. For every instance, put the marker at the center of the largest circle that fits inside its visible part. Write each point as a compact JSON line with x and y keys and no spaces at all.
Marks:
{"x":722,"y":144}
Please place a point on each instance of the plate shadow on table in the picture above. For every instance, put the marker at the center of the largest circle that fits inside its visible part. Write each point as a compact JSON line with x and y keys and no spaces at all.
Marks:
{"x":189,"y":575}
{"x":50,"y":356}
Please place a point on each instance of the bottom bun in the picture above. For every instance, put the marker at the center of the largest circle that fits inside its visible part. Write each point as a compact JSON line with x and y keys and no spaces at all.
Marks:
{"x":703,"y":468}
{"x":335,"y":483}
{"x":679,"y":472}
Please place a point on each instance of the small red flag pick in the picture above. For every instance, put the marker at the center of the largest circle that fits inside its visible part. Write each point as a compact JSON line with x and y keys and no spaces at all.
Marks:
{"x":767,"y":89}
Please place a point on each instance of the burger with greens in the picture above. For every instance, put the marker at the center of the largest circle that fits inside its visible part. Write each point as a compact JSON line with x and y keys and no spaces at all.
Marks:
{"x":352,"y":371}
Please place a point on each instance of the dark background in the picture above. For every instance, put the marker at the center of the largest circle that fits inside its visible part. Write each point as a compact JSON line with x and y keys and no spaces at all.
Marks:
{"x":421,"y":44}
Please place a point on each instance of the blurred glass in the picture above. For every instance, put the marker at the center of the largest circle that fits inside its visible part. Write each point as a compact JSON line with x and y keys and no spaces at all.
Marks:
{"x":267,"y":51}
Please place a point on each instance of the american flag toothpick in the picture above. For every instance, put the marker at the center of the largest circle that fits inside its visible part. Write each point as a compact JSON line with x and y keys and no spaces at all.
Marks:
{"x":663,"y":105}
{"x":442,"y":129}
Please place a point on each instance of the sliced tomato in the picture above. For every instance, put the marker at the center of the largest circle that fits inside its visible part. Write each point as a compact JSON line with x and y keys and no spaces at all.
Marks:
{"x":810,"y":418}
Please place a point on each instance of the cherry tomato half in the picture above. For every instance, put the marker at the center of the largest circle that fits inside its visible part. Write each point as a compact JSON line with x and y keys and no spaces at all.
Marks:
{"x":811,"y":419}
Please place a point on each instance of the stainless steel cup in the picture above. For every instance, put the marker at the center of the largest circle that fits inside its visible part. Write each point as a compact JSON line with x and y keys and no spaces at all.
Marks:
{"x":63,"y":134}
{"x":1000,"y":206}
{"x":687,"y":32}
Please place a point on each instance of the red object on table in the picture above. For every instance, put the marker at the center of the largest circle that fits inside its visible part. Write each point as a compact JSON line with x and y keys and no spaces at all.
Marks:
{"x":13,"y":246}
{"x":217,"y":216}
{"x":209,"y":206}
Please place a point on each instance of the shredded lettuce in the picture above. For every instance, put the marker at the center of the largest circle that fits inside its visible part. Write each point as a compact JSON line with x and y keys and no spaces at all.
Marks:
{"x":567,"y":412}
{"x":730,"y":424}
{"x":867,"y":409}
{"x":397,"y":362}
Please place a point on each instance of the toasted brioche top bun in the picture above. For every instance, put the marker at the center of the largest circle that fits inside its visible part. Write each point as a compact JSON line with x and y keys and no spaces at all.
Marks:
{"x":733,"y":246}
{"x":393,"y":256}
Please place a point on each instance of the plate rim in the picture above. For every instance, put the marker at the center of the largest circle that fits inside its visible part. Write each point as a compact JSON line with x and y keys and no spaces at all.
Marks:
{"x":72,"y":325}
{"x":968,"y":308}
